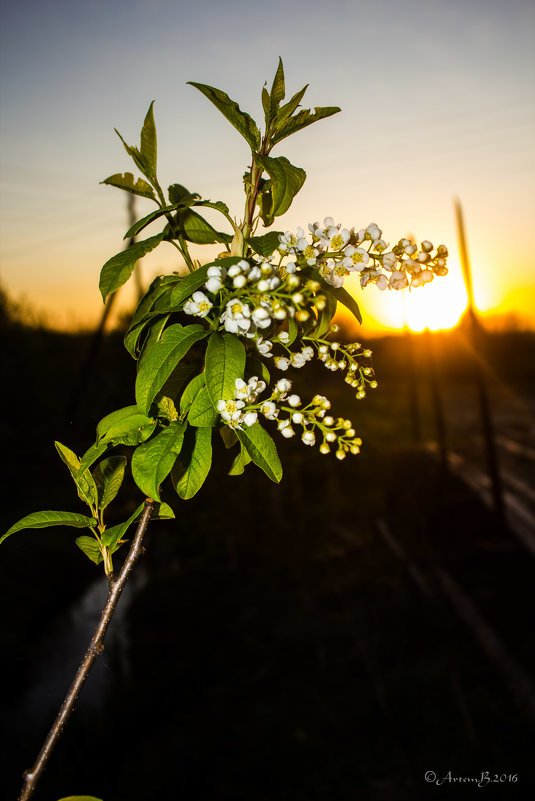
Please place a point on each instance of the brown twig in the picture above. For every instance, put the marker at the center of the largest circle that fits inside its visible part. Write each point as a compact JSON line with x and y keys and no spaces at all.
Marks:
{"x":31,"y":777}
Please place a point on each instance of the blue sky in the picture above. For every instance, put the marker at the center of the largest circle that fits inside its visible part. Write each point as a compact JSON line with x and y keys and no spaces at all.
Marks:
{"x":437,"y":101}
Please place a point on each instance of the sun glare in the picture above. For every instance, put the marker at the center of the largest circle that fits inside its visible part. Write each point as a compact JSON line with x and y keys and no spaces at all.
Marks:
{"x":436,"y":306}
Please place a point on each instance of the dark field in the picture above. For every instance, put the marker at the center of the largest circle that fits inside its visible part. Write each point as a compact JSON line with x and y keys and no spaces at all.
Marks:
{"x":333,"y":638}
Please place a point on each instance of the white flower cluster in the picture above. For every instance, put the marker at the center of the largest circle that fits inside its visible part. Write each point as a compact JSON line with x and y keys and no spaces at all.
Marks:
{"x":287,"y":408}
{"x":337,"y":252}
{"x":351,"y":358}
{"x":296,"y":359}
{"x":233,"y":410}
{"x":248,"y":297}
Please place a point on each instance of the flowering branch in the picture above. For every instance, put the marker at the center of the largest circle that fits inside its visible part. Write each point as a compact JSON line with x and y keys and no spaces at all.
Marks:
{"x":265,"y":304}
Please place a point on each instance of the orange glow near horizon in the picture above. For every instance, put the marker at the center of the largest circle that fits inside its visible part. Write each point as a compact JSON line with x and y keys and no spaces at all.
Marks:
{"x":437,"y":306}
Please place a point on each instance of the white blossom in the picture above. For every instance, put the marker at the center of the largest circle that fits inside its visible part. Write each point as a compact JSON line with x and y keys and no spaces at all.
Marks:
{"x":398,"y":280}
{"x":333,"y":273}
{"x":249,"y":419}
{"x":254,"y":273}
{"x":264,"y":347}
{"x":199,"y":305}
{"x":297,"y":360}
{"x":261,"y":317}
{"x":281,"y":362}
{"x":389,"y":260}
{"x":216,"y":276}
{"x":230,"y":411}
{"x":239,"y":281}
{"x":373,"y":232}
{"x":236,"y":316}
{"x":355,"y":258}
{"x":269,"y":410}
{"x":283,"y":385}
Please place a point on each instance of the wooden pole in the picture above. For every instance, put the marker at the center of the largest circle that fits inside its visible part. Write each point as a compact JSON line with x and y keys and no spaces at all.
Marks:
{"x":476,"y":335}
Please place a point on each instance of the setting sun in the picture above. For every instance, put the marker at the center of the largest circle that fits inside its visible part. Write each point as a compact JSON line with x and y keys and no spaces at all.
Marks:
{"x":437,"y":307}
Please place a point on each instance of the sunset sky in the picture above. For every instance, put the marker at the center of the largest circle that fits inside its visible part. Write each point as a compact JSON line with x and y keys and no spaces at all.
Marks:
{"x":438,"y":102}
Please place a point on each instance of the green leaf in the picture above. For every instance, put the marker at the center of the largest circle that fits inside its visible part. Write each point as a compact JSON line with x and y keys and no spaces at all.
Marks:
{"x":176,"y":381}
{"x":228,"y":435}
{"x":184,"y":288}
{"x":119,"y":268}
{"x":85,"y":485}
{"x":108,"y":476}
{"x":293,"y":330}
{"x":162,"y":511}
{"x":225,"y":362}
{"x":240,"y":463}
{"x":90,"y":547}
{"x":265,"y":105}
{"x":265,"y":245}
{"x":46,"y":519}
{"x":277,"y":90}
{"x":152,"y":462}
{"x":180,"y":195}
{"x":342,"y":296}
{"x":114,"y":417}
{"x":325,"y":316}
{"x":262,"y":450}
{"x":196,"y":229}
{"x":218,"y":205}
{"x":134,"y":153}
{"x":255,"y":366}
{"x":287,"y":110}
{"x":157,"y":288}
{"x":112,"y":536}
{"x":286,"y":181}
{"x":301,"y":120}
{"x":138,"y":226}
{"x":91,"y":455}
{"x":148,"y":145}
{"x":127,"y":426}
{"x":160,"y":361}
{"x":230,"y":109}
{"x":126,"y":181}
{"x":144,"y":314}
{"x":190,"y":393}
{"x":134,"y":335}
{"x":154,"y":333}
{"x":202,"y":413}
{"x":194,"y":474}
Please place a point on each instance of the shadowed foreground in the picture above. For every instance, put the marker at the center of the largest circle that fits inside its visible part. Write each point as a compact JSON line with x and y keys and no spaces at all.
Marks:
{"x":332,"y":638}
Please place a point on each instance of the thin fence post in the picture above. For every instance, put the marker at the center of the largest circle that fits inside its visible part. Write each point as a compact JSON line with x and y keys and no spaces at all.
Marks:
{"x":476,"y":336}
